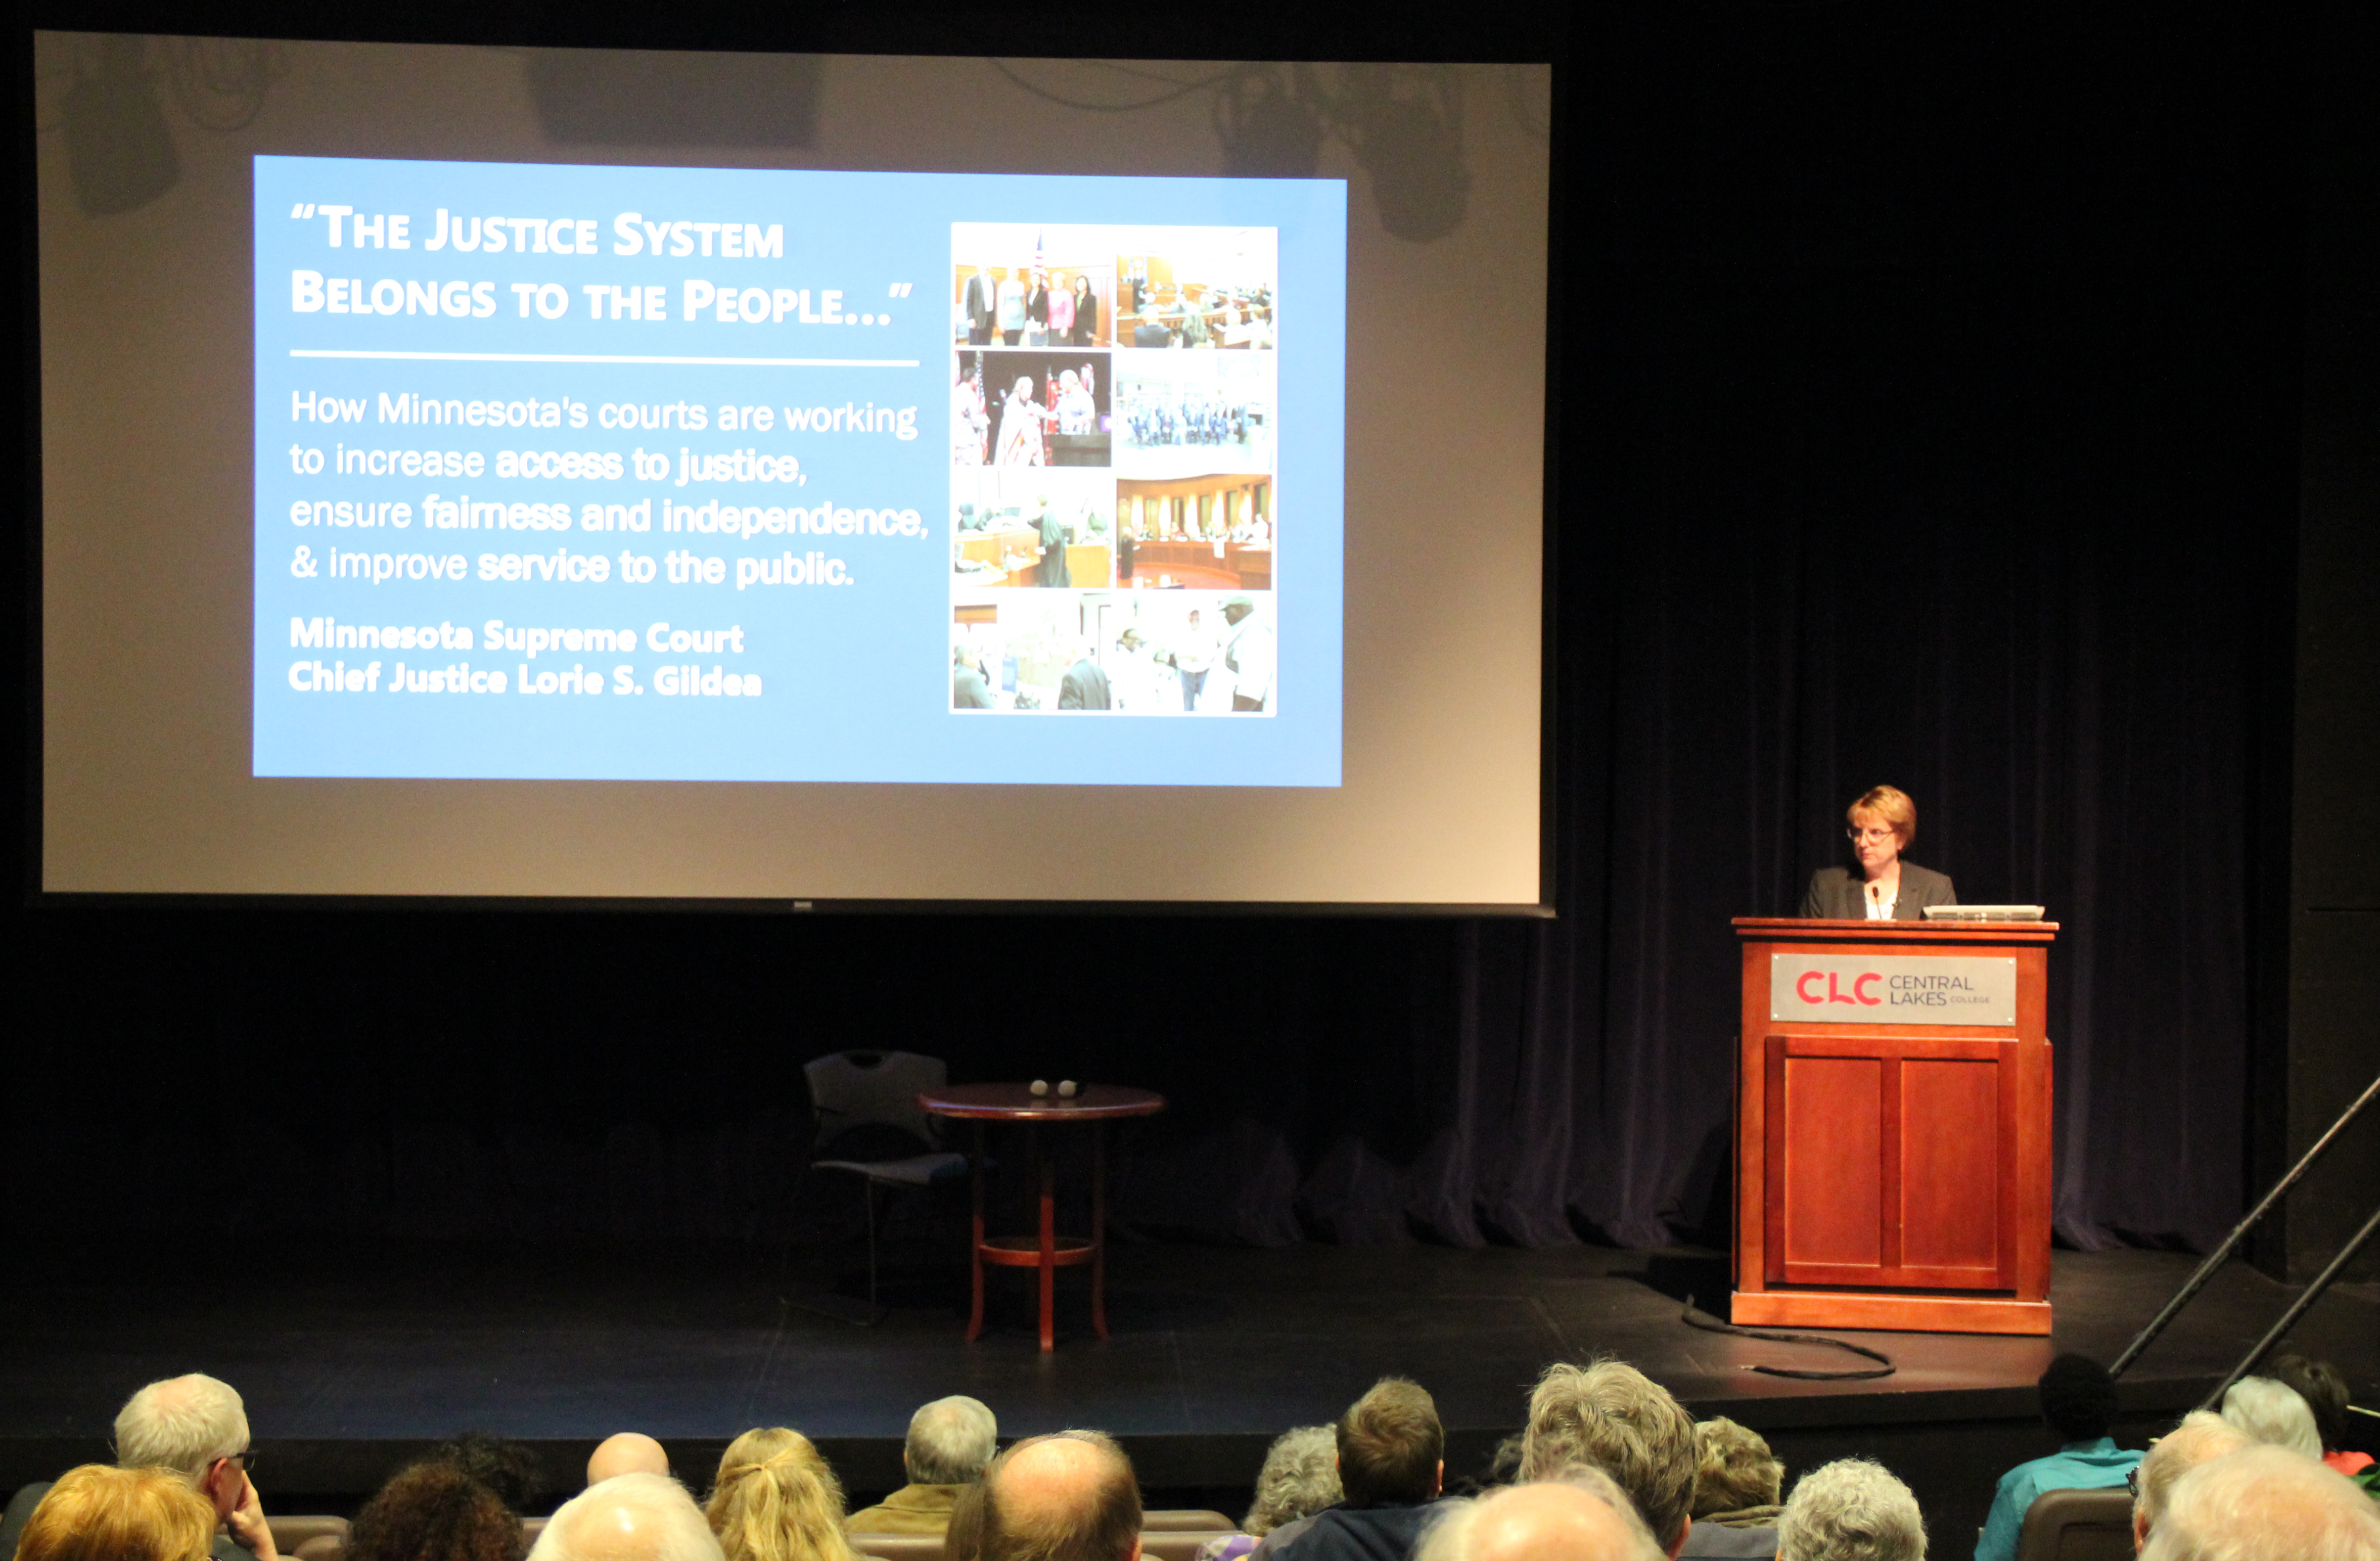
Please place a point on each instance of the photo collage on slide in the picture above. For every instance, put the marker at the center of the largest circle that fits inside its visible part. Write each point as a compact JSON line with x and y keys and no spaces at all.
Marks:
{"x":1114,"y":435}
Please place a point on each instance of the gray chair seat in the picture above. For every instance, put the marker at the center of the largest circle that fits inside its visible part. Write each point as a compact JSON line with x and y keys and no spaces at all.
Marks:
{"x":917,"y":1170}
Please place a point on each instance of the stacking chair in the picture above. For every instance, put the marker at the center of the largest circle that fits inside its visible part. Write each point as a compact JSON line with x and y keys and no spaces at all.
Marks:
{"x":866,"y":1105}
{"x":2077,"y":1525}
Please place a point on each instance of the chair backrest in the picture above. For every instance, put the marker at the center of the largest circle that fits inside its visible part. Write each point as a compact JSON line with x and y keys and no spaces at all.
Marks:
{"x":530,"y":1529}
{"x":873,"y":1088}
{"x":898,"y":1547}
{"x":1185,"y":1520}
{"x":2077,"y":1525}
{"x":1178,"y":1544}
{"x":309,"y":1537}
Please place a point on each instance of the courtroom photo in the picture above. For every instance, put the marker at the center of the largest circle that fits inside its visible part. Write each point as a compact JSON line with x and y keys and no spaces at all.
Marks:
{"x":1196,"y":288}
{"x":1192,"y":652}
{"x":1045,"y":653}
{"x":1032,"y":284}
{"x":1048,"y":528}
{"x":1209,"y":533}
{"x":1030,"y":408}
{"x":1179,"y":413}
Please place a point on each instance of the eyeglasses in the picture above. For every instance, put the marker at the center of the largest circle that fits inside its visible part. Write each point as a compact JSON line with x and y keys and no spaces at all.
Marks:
{"x":1872,"y":836}
{"x":245,"y":1457}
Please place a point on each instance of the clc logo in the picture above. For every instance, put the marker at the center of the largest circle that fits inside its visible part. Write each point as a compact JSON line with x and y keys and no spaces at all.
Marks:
{"x":1833,"y":994}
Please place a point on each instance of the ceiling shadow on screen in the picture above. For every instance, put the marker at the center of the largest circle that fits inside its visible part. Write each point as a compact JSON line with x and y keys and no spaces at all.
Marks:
{"x":590,"y":97}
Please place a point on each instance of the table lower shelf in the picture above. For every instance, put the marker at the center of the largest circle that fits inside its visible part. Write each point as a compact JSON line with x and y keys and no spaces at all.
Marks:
{"x":1025,"y":1252}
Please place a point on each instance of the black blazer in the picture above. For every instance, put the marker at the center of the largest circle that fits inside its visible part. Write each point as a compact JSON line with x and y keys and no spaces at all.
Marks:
{"x":1834,"y":892}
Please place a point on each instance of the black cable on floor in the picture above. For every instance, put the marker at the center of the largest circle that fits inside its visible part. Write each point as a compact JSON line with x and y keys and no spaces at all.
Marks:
{"x":1862,"y":1374}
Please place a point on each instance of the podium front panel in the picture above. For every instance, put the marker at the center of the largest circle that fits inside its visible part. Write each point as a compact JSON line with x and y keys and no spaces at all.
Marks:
{"x":1887,"y":1155}
{"x":1892,"y":1163}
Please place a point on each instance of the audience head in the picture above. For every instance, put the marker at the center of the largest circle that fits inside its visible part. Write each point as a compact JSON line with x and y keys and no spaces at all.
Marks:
{"x":950,"y":1440}
{"x":434,"y":1511}
{"x":628,"y":1517}
{"x":2269,"y":1413}
{"x":1850,"y":1511}
{"x":1067,"y":1496}
{"x":627,"y":1452}
{"x":1300,"y":1477}
{"x":776,"y":1500}
{"x":2201,"y":1437}
{"x":509,"y":1469}
{"x":1733,"y":1468}
{"x":98,"y":1513}
{"x":2078,"y":1398}
{"x":2265,"y":1503}
{"x":1613,"y":1417}
{"x":193,"y":1425}
{"x":1391,"y":1446}
{"x":2325,"y":1391}
{"x":1584,"y":1516}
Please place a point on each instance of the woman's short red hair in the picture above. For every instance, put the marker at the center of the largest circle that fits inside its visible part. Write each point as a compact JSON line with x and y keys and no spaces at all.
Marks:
{"x":1892,"y":805}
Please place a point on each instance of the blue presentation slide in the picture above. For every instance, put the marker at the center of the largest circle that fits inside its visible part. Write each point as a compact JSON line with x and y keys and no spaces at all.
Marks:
{"x":636,"y":473}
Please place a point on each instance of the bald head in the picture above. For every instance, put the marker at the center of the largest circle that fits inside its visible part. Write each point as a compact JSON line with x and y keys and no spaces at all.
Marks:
{"x":2266,"y":1503}
{"x":629,"y":1452}
{"x":1582,"y":1518}
{"x":1065,"y":1497}
{"x":628,"y":1517}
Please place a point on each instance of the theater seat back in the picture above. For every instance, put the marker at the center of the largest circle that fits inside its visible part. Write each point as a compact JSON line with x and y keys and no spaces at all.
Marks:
{"x":309,"y":1537}
{"x":1177,"y":1544}
{"x":898,"y":1547}
{"x":2077,"y":1525}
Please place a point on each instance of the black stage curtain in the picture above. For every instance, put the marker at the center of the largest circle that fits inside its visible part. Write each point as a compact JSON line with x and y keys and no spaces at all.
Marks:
{"x":1927,"y":403}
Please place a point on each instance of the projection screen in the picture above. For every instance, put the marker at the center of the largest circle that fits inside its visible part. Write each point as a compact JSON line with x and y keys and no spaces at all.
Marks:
{"x":820,"y":478}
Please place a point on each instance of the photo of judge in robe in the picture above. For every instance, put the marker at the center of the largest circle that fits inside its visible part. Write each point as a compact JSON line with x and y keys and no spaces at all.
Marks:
{"x":1885,"y":887}
{"x":1052,"y":529}
{"x":1038,"y":409}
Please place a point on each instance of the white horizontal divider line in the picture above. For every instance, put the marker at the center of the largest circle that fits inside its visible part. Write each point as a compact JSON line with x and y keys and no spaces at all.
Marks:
{"x":610,"y":357}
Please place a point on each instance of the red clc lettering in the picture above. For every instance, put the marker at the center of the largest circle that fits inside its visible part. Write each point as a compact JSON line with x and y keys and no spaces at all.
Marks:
{"x":1834,"y":994}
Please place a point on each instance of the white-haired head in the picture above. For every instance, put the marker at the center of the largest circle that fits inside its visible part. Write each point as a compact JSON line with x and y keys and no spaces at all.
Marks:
{"x":182,"y":1423}
{"x":2203,"y":1435}
{"x":2266,"y":1503}
{"x":1582,"y":1515}
{"x":1300,"y":1477}
{"x":2271,"y":1411}
{"x":1850,"y":1511}
{"x":628,"y":1517}
{"x":950,"y":1440}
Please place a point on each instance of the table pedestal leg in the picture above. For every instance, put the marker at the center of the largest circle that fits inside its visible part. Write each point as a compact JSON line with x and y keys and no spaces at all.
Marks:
{"x":1099,"y":1229}
{"x":1048,"y":1170}
{"x":974,"y":1244}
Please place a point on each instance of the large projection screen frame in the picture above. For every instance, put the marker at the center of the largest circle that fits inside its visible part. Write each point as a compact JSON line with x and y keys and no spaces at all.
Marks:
{"x":546,"y":877}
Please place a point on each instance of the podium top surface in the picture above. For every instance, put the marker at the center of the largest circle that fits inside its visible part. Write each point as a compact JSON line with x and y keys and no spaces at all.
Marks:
{"x":1812,"y":929}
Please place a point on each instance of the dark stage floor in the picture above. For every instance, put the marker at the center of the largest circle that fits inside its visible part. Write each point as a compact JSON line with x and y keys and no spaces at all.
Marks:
{"x":347,"y":1358}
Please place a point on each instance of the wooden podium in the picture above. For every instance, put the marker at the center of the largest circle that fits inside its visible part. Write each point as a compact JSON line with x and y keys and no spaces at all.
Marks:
{"x":1892,"y":1126}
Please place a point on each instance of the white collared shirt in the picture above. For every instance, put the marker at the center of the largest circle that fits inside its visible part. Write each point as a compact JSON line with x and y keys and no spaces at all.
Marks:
{"x":1879,"y":900}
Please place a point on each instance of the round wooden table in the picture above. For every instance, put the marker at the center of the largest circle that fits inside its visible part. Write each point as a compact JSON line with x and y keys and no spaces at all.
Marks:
{"x":1095,"y":1107}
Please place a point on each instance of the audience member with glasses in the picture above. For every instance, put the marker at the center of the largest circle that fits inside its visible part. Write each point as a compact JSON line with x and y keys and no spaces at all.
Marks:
{"x":195,"y":1428}
{"x":1885,"y":887}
